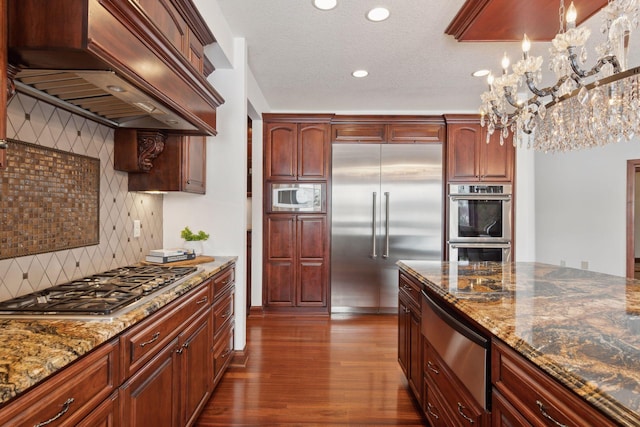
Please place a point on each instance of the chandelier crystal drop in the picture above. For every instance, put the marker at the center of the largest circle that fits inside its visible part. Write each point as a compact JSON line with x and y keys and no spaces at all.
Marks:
{"x":584,"y":107}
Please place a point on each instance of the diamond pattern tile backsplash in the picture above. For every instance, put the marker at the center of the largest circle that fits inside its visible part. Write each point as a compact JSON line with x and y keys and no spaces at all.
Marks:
{"x":37,"y":122}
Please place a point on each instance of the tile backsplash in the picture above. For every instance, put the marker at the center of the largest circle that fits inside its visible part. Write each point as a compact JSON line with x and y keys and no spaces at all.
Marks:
{"x":37,"y":122}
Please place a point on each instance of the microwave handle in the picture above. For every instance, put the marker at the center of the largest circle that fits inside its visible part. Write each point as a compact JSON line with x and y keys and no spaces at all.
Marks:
{"x":374,"y":254}
{"x":456,"y":197}
{"x":386,"y":226}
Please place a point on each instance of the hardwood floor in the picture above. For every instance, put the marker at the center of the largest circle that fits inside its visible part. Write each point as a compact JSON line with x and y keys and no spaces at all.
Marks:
{"x":333,"y":371}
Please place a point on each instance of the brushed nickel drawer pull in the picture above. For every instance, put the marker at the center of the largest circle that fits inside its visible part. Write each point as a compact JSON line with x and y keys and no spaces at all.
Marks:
{"x":152,"y":340}
{"x":547,"y":416}
{"x":182,"y":348}
{"x":461,"y":409}
{"x":431,"y":368}
{"x":429,"y":410}
{"x":407,"y":288}
{"x":226,"y":353}
{"x":226,"y":314}
{"x":226,"y":282}
{"x":65,"y":408}
{"x":201,"y":301}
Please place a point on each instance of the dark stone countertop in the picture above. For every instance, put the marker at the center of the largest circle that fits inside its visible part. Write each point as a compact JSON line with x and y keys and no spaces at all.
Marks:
{"x":31,"y":350}
{"x":580,"y":327}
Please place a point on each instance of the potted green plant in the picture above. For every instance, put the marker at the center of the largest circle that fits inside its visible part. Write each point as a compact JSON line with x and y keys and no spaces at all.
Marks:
{"x":194,"y":240}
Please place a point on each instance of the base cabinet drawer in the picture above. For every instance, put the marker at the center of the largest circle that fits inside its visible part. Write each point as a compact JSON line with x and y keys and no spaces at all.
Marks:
{"x":222,"y":353}
{"x":105,"y":415}
{"x":538,"y":398}
{"x":70,"y":395}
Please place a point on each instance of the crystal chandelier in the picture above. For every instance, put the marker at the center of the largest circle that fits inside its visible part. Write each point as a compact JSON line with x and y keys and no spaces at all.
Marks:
{"x":584,"y":107}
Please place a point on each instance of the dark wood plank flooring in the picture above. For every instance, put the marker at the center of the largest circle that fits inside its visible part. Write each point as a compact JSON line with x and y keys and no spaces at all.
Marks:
{"x":333,"y":371}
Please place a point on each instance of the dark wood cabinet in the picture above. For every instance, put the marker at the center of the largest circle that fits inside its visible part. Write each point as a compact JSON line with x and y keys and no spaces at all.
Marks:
{"x":297,"y":148}
{"x":471,"y":159}
{"x":389,"y":130}
{"x":195,"y":362}
{"x":410,"y":334}
{"x":525,"y":395}
{"x":297,"y":261}
{"x":150,"y":396}
{"x":181,"y":166}
{"x":296,"y":151}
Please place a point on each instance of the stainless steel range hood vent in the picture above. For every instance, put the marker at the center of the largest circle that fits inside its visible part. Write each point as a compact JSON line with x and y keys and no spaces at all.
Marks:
{"x":107,"y":97}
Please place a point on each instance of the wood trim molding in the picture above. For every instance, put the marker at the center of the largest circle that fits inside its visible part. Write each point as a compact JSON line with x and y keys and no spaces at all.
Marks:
{"x":633,"y":166}
{"x":508,"y":20}
{"x":240,"y":358}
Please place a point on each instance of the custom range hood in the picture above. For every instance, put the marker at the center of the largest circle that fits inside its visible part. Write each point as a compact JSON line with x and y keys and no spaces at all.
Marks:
{"x":130,"y":64}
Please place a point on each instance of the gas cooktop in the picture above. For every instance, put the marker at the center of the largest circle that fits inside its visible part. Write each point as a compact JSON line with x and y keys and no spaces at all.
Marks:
{"x":102,"y":294}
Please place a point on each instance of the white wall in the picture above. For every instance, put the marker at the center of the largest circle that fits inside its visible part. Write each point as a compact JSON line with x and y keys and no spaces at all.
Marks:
{"x":524,"y":209}
{"x":580,"y":206}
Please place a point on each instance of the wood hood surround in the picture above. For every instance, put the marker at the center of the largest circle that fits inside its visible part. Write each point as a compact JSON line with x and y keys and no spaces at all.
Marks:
{"x":154,"y":48}
{"x":508,"y":20}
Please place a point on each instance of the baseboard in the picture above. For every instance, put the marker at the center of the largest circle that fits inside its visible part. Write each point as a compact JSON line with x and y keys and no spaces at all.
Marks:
{"x":256,"y":311}
{"x":240,"y":358}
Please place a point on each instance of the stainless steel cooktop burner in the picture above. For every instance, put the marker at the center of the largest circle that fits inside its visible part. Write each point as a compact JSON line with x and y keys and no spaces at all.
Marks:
{"x":100,"y":294}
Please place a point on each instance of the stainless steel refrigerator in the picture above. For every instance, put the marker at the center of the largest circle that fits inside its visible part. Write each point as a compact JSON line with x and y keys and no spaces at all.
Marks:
{"x":386,"y":205}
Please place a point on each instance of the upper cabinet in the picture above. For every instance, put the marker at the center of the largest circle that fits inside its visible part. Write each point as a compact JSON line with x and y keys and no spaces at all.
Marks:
{"x":296,"y":151}
{"x":387,"y":129}
{"x":180,"y":166}
{"x":470,"y":158}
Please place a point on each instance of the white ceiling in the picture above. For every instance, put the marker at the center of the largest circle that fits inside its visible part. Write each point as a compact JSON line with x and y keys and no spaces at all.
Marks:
{"x":302,"y":57}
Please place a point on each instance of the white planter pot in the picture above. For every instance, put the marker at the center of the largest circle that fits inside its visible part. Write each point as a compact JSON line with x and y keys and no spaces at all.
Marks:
{"x":196,"y":245}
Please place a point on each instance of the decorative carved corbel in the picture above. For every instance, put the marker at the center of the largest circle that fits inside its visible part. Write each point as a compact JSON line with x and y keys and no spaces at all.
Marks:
{"x":150,"y":145}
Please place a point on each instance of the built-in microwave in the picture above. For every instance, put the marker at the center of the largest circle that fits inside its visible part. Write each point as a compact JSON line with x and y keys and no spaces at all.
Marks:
{"x":297,"y":197}
{"x":480,"y":212}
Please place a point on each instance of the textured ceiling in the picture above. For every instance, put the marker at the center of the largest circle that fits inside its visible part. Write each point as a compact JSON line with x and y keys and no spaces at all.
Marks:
{"x":302,"y":57}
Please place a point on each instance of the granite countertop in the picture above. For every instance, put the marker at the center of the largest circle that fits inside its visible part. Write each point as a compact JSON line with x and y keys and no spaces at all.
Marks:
{"x":581,"y":327}
{"x":32,"y":350}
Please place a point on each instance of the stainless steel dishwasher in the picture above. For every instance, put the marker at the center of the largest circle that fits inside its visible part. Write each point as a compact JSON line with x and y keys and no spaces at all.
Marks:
{"x":464,"y":350}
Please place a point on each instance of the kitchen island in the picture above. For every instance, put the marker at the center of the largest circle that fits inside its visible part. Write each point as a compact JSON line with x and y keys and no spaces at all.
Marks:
{"x":579,"y":327}
{"x":35,"y":349}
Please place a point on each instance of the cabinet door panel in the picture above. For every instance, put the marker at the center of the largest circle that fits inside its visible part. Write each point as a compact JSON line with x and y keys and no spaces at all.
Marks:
{"x":311,"y":237}
{"x":280,"y":283}
{"x":403,"y":336}
{"x":149,"y":397}
{"x":366,"y":133}
{"x":280,"y":151}
{"x":505,"y":415}
{"x":280,"y":237}
{"x":311,"y":284}
{"x":313,"y":151}
{"x":415,"y":353}
{"x":195,"y":367}
{"x":497,"y":160}
{"x":463,"y":160}
{"x":195,"y":164}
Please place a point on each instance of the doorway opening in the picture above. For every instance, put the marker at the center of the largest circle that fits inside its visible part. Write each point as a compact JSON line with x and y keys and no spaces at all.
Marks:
{"x":633,"y":221}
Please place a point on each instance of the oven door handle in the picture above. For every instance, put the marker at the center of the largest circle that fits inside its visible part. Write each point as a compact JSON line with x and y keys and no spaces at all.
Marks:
{"x":459,"y":245}
{"x":457,"y":197}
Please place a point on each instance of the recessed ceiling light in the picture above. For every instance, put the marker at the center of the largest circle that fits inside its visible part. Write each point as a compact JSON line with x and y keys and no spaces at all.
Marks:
{"x":378,"y":14}
{"x":480,"y":73}
{"x":114,"y":88}
{"x":325,"y":4}
{"x":360,"y":73}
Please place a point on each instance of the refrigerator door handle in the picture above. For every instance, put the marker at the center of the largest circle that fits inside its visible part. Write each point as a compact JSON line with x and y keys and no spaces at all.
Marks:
{"x":386,"y":226}
{"x":374,"y":254}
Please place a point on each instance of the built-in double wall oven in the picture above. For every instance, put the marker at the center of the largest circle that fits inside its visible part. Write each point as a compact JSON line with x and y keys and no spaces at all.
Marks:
{"x":480,"y":222}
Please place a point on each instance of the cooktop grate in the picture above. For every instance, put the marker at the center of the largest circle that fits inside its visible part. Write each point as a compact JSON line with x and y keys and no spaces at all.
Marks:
{"x":102,"y":293}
